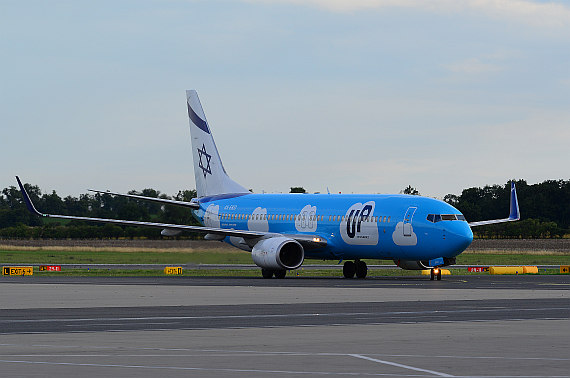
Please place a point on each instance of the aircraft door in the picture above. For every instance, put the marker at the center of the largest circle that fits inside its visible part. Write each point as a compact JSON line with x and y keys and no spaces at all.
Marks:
{"x":407,"y":227}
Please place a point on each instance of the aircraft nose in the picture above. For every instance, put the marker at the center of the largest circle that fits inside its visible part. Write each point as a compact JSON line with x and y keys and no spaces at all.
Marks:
{"x":461,"y":237}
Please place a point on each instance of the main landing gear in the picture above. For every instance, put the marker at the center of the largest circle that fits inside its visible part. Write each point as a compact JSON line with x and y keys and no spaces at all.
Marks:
{"x":435,"y":272}
{"x":269,"y":273}
{"x":350,"y":268}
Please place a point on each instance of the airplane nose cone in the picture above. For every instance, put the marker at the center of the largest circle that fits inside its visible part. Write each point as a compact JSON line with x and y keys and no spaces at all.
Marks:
{"x":460,"y":237}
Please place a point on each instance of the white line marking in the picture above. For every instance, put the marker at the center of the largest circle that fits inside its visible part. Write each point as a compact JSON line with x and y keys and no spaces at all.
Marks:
{"x":203,"y":369}
{"x":400,"y":365}
{"x":254,"y":352}
{"x":384,"y":314}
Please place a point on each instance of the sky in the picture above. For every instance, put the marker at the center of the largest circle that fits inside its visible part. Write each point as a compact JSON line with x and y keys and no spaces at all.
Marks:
{"x":352,"y":96}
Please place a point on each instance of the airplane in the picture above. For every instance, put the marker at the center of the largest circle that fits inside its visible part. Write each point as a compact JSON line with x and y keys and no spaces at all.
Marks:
{"x":282,"y":230}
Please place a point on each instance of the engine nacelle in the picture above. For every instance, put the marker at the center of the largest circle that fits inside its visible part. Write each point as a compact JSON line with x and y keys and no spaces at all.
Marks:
{"x":278,"y":252}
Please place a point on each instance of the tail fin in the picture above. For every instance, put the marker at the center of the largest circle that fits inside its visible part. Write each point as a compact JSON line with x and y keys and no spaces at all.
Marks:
{"x":211,"y":177}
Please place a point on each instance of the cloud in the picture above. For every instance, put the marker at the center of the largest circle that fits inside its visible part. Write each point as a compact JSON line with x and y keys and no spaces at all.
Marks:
{"x":528,"y":12}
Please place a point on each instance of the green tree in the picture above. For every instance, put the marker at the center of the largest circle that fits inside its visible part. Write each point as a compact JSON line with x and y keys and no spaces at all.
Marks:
{"x":411,"y":190}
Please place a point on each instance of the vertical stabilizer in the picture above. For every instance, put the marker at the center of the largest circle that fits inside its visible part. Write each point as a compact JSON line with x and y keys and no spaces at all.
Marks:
{"x":211,"y":177}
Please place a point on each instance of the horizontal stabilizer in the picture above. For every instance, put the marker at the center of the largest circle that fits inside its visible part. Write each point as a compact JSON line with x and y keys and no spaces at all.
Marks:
{"x":192,"y":205}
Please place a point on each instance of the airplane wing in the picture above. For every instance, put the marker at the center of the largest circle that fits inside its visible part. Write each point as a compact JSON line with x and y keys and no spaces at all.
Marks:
{"x":310,"y":241}
{"x":514,"y":215}
{"x":192,"y":205}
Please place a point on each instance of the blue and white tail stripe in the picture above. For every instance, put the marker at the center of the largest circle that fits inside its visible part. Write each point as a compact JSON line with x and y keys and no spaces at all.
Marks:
{"x":194,"y":103}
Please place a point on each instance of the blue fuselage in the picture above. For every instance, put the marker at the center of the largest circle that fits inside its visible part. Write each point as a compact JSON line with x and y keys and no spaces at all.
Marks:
{"x":397,"y":227}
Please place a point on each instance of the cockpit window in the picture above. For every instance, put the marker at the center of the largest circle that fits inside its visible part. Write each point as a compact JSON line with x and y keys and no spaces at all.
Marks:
{"x":434,"y":218}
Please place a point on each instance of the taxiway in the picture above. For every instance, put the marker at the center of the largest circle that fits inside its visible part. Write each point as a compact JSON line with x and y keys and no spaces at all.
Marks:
{"x":228,"y":327}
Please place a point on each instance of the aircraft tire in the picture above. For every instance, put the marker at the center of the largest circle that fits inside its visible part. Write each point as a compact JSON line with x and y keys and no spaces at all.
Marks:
{"x":439,"y":274}
{"x":349,"y":269}
{"x":280,"y":273}
{"x":361,"y":269}
{"x":266,"y":273}
{"x":431,"y":275}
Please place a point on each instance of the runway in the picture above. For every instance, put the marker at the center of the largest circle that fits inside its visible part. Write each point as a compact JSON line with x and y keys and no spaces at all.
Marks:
{"x":227,"y":327}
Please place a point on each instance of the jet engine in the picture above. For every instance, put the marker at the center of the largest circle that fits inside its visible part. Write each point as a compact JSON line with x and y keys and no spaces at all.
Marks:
{"x":278,"y":253}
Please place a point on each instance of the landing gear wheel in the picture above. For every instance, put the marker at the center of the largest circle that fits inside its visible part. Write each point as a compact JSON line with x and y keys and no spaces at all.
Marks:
{"x":431,"y":275}
{"x":349,"y":269}
{"x":266,"y":273}
{"x":361,"y":269}
{"x":280,"y":273}
{"x":439,"y":274}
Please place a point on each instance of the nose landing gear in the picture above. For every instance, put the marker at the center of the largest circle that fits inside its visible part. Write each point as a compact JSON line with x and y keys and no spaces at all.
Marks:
{"x":435,"y":272}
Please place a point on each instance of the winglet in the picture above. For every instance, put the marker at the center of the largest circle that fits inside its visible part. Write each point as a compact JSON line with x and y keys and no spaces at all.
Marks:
{"x":514,"y":213}
{"x":27,"y":199}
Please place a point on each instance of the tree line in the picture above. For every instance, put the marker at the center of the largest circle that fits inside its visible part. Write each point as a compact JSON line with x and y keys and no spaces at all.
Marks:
{"x":545,"y":210}
{"x":544,"y":207}
{"x":17,"y":222}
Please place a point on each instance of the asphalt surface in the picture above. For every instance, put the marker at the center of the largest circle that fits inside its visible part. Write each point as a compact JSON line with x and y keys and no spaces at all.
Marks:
{"x":226,"y":327}
{"x":276,"y":315}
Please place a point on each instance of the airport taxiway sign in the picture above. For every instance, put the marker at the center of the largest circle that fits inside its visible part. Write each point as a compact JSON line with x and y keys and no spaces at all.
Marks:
{"x":18,"y":271}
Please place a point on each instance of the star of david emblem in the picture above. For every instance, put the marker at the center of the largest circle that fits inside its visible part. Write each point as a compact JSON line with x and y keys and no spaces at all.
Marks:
{"x":202,"y":152}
